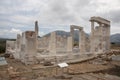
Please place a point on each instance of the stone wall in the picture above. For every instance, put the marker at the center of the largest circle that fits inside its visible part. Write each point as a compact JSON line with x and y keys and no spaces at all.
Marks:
{"x":100,"y":35}
{"x":10,"y":47}
{"x":28,"y":47}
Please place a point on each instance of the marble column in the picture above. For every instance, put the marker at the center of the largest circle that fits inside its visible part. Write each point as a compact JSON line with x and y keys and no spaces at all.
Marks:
{"x":18,"y":46}
{"x":108,"y":37}
{"x":92,"y":38}
{"x":69,"y":44}
{"x":36,"y":28}
{"x":29,"y":48}
{"x":101,"y":36}
{"x":72,"y":35}
{"x":37,"y":33}
{"x":52,"y":43}
{"x":82,"y":42}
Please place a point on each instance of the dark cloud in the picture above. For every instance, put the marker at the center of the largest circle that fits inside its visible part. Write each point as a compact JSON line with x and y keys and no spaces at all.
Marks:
{"x":114,"y":15}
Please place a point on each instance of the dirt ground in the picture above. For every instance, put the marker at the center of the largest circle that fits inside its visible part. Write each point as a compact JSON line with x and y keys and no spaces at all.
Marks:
{"x":40,"y":72}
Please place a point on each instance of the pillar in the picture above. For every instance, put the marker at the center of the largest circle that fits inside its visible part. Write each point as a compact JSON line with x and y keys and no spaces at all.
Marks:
{"x":36,"y":28}
{"x":82,"y":41}
{"x":69,"y":44}
{"x":18,"y":46}
{"x":52,"y":43}
{"x":72,"y":35}
{"x":92,"y":37}
{"x":37,"y":33}
{"x":101,"y":36}
{"x":108,"y":37}
{"x":28,"y":47}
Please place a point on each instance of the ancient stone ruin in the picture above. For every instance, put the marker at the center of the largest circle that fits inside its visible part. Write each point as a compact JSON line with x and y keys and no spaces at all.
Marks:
{"x":30,"y":49}
{"x":100,"y":35}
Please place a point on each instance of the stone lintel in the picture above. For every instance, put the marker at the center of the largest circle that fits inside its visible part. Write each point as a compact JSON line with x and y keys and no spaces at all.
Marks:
{"x":76,"y":27}
{"x":100,"y":20}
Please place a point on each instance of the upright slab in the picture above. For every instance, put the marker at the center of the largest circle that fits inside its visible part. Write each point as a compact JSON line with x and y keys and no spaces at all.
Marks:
{"x":69,"y":44}
{"x":28,"y":47}
{"x":10,"y":47}
{"x":18,"y":46}
{"x":52,"y":43}
{"x":100,"y":35}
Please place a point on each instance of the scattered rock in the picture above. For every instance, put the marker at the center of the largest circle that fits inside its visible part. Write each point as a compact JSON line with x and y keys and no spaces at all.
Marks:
{"x":47,"y":63}
{"x":116,"y":58}
{"x":63,"y":77}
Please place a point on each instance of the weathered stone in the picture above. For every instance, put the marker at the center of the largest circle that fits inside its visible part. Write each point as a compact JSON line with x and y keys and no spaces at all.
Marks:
{"x":100,"y":35}
{"x":36,"y":28}
{"x":18,"y":47}
{"x":10,"y":48}
{"x":28,"y":46}
{"x":69,"y":44}
{"x":81,"y":37}
{"x":13,"y":73}
{"x":52,"y":43}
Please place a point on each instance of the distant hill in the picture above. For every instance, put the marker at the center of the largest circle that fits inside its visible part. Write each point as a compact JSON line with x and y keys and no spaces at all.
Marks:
{"x":63,"y":33}
{"x":4,"y":39}
{"x":58,"y":32}
{"x":67,"y":34}
{"x":113,"y":38}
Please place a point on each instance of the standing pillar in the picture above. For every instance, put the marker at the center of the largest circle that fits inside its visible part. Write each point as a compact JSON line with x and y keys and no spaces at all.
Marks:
{"x":108,"y":37}
{"x":82,"y":41}
{"x":36,"y":32}
{"x":72,"y":35}
{"x":69,"y":44}
{"x":18,"y":46}
{"x":92,"y":38}
{"x":101,"y":36}
{"x":28,"y":47}
{"x":52,"y":43}
{"x":36,"y":27}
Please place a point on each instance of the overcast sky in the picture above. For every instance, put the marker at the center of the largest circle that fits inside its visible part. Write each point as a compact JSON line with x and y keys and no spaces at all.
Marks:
{"x":17,"y":16}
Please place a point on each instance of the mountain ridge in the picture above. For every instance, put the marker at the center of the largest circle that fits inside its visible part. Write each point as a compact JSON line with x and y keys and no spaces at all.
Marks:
{"x":114,"y":38}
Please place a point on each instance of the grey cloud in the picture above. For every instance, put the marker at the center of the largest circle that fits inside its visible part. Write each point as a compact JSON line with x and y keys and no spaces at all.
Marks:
{"x":58,"y":11}
{"x":65,"y":12}
{"x":11,"y":3}
{"x":80,"y":4}
{"x":115,"y":16}
{"x":58,"y":7}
